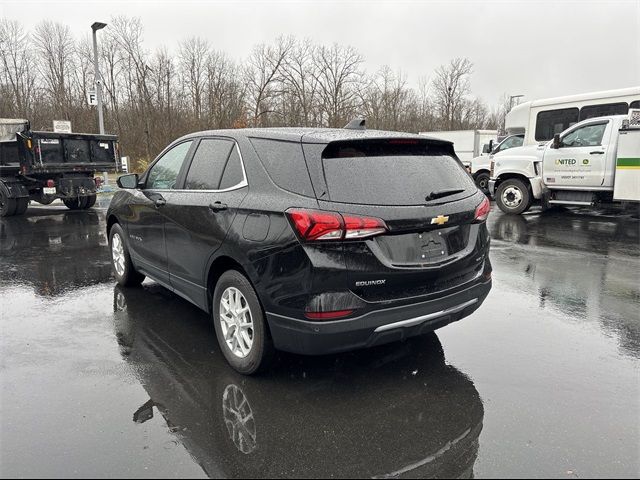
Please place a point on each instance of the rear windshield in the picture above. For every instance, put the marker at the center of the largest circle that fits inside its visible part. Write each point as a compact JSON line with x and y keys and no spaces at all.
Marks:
{"x":392,"y":172}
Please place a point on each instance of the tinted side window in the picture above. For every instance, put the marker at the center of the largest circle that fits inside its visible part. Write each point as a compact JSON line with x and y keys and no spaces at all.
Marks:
{"x":233,"y":174}
{"x":554,"y":121}
{"x":592,"y":111}
{"x":207,"y":165}
{"x":164,"y":173}
{"x":587,"y":136}
{"x":285,"y":164}
{"x":635,"y":104}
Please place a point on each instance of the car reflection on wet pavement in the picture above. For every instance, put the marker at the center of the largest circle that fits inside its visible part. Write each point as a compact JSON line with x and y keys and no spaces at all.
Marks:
{"x":97,"y":380}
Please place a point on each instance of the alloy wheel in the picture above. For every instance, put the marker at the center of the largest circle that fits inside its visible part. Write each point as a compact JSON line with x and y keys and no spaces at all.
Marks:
{"x":236,"y":322}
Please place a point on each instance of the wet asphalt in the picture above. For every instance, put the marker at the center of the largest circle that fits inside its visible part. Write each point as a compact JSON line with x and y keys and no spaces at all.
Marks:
{"x":542,"y":381}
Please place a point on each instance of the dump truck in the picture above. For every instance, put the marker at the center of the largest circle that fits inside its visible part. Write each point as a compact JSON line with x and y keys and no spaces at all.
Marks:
{"x":43,"y":166}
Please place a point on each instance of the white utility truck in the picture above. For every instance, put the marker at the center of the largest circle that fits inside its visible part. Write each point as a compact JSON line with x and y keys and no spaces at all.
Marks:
{"x":594,"y":162}
{"x":480,"y":166}
{"x":467,"y":144}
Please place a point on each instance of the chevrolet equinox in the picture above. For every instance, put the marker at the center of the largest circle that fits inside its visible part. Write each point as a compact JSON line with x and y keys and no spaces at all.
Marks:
{"x":311,"y":241}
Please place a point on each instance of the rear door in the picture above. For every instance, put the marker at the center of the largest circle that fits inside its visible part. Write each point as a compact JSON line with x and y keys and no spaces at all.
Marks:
{"x":431,"y":244}
{"x":200,"y":213}
{"x":581,"y":159}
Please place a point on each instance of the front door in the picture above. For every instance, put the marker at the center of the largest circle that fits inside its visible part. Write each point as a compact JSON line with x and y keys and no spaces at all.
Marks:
{"x":145,"y":227}
{"x":581,"y":158}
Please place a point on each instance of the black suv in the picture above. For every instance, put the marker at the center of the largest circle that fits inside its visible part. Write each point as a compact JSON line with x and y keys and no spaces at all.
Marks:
{"x":311,"y":241}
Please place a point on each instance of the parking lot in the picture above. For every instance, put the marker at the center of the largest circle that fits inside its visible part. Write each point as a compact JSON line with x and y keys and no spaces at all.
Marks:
{"x":541,"y":381}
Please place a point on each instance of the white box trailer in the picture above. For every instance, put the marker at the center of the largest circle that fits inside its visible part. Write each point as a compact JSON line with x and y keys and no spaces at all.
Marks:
{"x":467,"y":144}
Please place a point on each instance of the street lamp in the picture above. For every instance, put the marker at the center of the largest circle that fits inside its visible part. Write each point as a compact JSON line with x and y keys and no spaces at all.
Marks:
{"x":98,"y":79}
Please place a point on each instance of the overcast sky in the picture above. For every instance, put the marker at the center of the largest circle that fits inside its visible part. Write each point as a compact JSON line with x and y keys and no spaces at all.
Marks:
{"x":539,"y":49}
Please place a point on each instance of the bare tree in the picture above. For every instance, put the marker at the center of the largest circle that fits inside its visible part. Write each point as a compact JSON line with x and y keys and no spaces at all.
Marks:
{"x":16,"y":74}
{"x":339,"y":75}
{"x":300,"y":77}
{"x":263,"y":74}
{"x":193,"y":57}
{"x":450,"y":86}
{"x":56,"y":48}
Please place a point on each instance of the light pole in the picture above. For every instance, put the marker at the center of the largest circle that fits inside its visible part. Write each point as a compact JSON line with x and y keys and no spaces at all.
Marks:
{"x":511,"y":97}
{"x":98,"y":79}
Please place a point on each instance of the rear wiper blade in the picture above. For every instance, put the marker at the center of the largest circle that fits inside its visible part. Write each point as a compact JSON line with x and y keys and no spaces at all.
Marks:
{"x":443,"y":193}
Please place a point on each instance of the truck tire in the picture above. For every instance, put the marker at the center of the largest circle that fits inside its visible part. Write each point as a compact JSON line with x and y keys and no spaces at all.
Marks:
{"x":513,"y":196}
{"x":75,"y":203}
{"x":7,"y":205}
{"x":21,"y":205}
{"x":91,"y":201}
{"x":482,"y":181}
{"x":123,"y":269}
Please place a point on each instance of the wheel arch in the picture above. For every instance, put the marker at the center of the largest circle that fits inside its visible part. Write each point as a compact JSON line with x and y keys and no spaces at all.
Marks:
{"x":509,"y":175}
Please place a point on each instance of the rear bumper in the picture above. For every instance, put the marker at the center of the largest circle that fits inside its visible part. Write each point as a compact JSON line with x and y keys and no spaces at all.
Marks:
{"x":376,"y":327}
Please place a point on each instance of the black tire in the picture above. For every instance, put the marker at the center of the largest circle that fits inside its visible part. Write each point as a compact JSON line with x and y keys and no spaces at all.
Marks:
{"x":91,"y":201}
{"x":7,"y":205}
{"x":513,"y":196}
{"x":482,"y":181}
{"x":261,"y":352}
{"x":125,"y":273}
{"x":75,"y":203}
{"x":21,"y":205}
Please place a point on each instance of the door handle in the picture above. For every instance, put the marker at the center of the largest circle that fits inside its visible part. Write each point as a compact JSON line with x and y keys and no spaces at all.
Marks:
{"x":217,"y":206}
{"x":596,"y":153}
{"x":159,"y":202}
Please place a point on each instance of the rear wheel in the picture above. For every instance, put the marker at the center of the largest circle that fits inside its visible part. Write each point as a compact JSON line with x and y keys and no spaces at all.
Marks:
{"x":76,"y":203}
{"x":513,"y":196}
{"x":240,"y":324}
{"x":126,"y":274}
{"x":7,"y":205}
{"x":91,"y":201}
{"x":21,"y":205}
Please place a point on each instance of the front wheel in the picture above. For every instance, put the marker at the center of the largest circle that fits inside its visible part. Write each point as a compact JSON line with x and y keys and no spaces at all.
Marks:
{"x":482,"y":181}
{"x":240,"y":324}
{"x":513,"y":196}
{"x":126,"y":274}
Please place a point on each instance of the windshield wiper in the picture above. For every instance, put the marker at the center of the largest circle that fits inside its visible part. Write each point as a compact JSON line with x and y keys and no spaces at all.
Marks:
{"x":443,"y":193}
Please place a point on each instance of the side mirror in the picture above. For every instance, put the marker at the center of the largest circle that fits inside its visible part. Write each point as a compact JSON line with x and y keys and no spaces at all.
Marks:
{"x":128,"y":181}
{"x":490,"y":146}
{"x":556,"y":141}
{"x":486,"y":148}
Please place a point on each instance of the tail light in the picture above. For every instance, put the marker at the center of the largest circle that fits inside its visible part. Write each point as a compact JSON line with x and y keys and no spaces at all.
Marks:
{"x":51,"y":183}
{"x":482,"y":210}
{"x":313,"y":225}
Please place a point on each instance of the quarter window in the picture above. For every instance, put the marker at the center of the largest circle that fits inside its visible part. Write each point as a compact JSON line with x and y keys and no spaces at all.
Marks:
{"x":587,"y":136}
{"x":208,"y":163}
{"x":164,"y":174}
{"x":550,"y":122}
{"x":635,"y":104}
{"x":233,"y":174}
{"x":592,"y":111}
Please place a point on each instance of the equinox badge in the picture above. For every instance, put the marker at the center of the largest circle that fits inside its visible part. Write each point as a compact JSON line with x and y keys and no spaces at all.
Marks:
{"x":439,"y":220}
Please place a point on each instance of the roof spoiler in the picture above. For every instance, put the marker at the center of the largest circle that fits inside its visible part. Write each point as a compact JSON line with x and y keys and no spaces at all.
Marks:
{"x":356,"y":124}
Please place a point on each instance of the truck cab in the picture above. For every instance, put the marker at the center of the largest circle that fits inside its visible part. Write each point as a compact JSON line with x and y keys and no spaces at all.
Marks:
{"x":584,"y":165}
{"x":480,"y":166}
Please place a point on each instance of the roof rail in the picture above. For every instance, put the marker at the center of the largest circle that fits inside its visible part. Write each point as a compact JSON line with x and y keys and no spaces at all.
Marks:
{"x":356,"y":124}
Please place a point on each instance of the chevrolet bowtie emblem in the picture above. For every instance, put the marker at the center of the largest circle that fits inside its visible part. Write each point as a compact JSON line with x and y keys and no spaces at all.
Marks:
{"x":439,"y":220}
